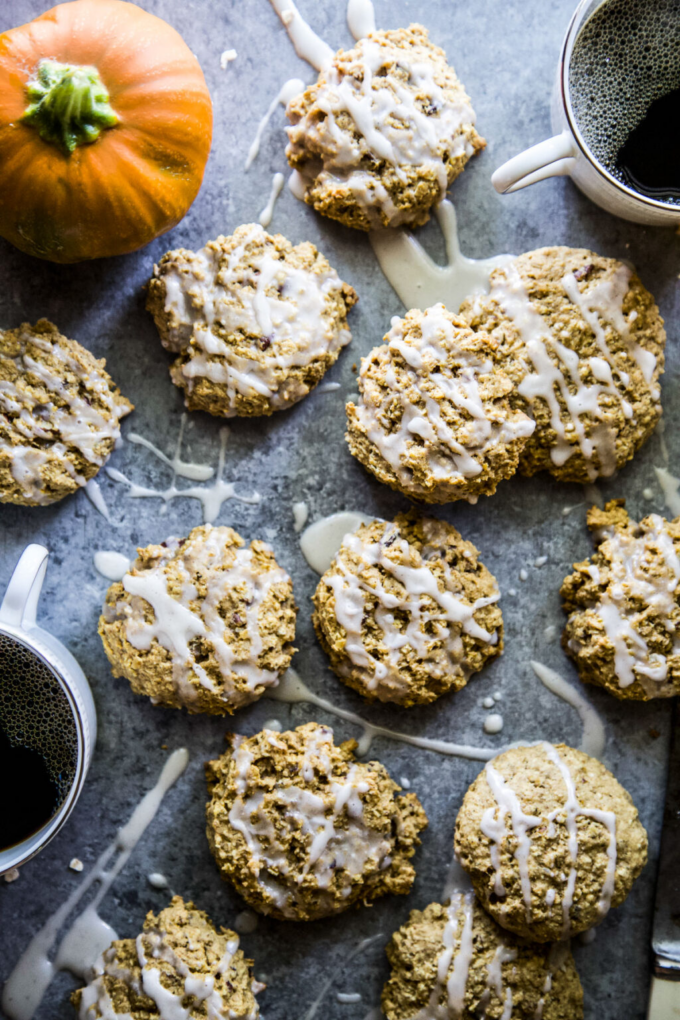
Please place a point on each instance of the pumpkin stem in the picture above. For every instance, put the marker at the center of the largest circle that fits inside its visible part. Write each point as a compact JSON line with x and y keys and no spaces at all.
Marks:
{"x":69,"y":105}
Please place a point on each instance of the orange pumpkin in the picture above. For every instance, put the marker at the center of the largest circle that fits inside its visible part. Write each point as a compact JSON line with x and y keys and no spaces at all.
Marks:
{"x":105,"y":130}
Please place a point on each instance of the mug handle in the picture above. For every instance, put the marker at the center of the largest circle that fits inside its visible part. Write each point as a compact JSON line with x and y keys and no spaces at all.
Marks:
{"x":20,"y":604}
{"x":552,"y":158}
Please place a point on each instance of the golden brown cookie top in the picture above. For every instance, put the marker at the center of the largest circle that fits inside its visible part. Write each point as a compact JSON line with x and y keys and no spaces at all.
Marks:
{"x":454,"y":962}
{"x":302,"y":829}
{"x":180,"y":962}
{"x":550,"y":840}
{"x":584,"y":343}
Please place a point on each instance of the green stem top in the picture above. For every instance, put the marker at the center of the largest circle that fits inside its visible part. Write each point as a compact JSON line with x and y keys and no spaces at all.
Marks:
{"x":69,"y":105}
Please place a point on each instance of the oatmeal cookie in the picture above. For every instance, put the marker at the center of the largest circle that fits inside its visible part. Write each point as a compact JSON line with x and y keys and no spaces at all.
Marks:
{"x":201,"y":623}
{"x":583,"y":342}
{"x":59,"y":415}
{"x":256,"y":321}
{"x":178,"y":965}
{"x":454,"y":962}
{"x":406,"y":611}
{"x":550,"y":841}
{"x":434,"y":418}
{"x":304,"y":831}
{"x":623,"y":629}
{"x":383,"y":132}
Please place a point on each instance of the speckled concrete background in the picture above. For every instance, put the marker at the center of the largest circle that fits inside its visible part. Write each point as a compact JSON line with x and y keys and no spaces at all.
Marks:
{"x":505,"y":54}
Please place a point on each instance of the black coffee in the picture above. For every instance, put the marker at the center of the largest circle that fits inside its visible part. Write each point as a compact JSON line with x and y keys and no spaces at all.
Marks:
{"x":38,"y":743}
{"x":624,"y":81}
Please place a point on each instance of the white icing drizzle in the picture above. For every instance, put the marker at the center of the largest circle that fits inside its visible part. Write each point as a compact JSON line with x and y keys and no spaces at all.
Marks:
{"x":257,"y":295}
{"x":284,"y":95}
{"x":573,"y":810}
{"x":157,"y":880}
{"x":77,"y":424}
{"x":226,"y":58}
{"x":457,"y":950}
{"x":307,"y":43}
{"x":265,"y":217}
{"x":327,"y":387}
{"x":297,"y":186}
{"x":594,"y":736}
{"x":95,"y":496}
{"x":211,"y":497}
{"x":180,"y":618}
{"x":185,"y":469}
{"x":391,"y":124}
{"x":437,"y":616}
{"x":493,"y":723}
{"x":643,"y":566}
{"x":419,"y":281}
{"x":493,"y":826}
{"x":112,"y":565}
{"x":291,"y":690}
{"x":360,"y":18}
{"x":669,"y":486}
{"x":152,"y":946}
{"x":554,"y":368}
{"x":348,"y":998}
{"x":332,"y":854}
{"x":321,"y":541}
{"x":454,"y":376}
{"x":300,"y":515}
{"x":33,"y":972}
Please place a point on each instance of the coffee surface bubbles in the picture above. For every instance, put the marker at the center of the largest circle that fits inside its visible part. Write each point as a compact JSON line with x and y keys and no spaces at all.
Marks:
{"x":625,"y":59}
{"x":38,"y":743}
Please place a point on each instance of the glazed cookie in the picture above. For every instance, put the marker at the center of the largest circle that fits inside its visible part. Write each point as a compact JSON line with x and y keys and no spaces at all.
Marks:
{"x":454,"y":963}
{"x":384,"y":131}
{"x":302,"y":830}
{"x":201,"y":623}
{"x":59,"y":415}
{"x":256,"y":321}
{"x":624,"y":605}
{"x":178,"y":966}
{"x":406,"y":612}
{"x":550,"y":840}
{"x":434,"y":418}
{"x":584,"y":344}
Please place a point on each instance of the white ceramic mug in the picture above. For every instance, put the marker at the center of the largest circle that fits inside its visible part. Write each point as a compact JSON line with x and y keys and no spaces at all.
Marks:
{"x":18,"y":622}
{"x":567,"y":152}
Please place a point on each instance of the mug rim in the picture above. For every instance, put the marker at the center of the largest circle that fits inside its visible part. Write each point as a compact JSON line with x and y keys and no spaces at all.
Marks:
{"x":565,"y":96}
{"x":17,"y":856}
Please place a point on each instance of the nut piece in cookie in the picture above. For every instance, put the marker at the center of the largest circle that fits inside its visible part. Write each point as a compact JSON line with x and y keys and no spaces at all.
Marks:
{"x":434,"y":418}
{"x":59,"y":415}
{"x":384,"y":131}
{"x":178,"y":964}
{"x":550,"y":841}
{"x":406,"y":612}
{"x":454,"y":962}
{"x":584,"y":344}
{"x":302,"y":830}
{"x":203,"y":623}
{"x":256,"y":321}
{"x":623,"y":629}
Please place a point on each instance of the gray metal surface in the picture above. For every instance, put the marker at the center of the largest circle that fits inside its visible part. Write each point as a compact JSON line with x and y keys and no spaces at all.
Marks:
{"x":505,"y":54}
